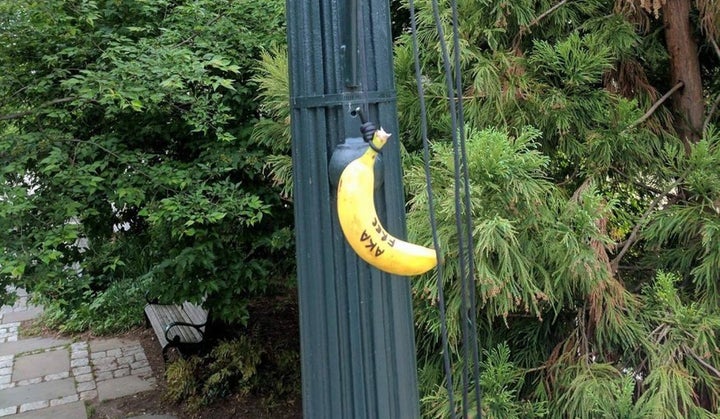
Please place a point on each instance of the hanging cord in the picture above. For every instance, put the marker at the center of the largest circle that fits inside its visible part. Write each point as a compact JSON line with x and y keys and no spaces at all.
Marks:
{"x":460,"y":162}
{"x":431,"y":209}
{"x":472,"y":313}
{"x":458,"y":221}
{"x":362,"y":51}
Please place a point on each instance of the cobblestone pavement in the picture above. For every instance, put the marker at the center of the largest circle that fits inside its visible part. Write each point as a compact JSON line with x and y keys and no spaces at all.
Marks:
{"x":51,"y":378}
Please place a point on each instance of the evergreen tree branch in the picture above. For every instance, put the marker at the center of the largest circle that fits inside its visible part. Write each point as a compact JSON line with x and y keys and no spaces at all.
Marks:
{"x":674,"y":197}
{"x":715,"y":46}
{"x":545,"y":14}
{"x":712,"y":110}
{"x":583,"y":333}
{"x":634,"y":234}
{"x":657,"y":104}
{"x":576,"y":195}
{"x":18,"y":115}
{"x":526,"y":28}
{"x":701,"y":361}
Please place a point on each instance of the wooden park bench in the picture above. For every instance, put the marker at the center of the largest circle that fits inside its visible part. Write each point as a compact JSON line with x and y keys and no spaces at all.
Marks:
{"x":177,"y":326}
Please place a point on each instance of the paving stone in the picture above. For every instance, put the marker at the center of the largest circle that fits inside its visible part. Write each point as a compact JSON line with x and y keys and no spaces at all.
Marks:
{"x":79,"y":346}
{"x":32,"y":344}
{"x":126,"y":360}
{"x":88,"y":385}
{"x":81,"y":370}
{"x":105,"y":375}
{"x":9,"y":332}
{"x":11,"y":410}
{"x":27,"y":407}
{"x":88,"y":395}
{"x":19,"y":395}
{"x":104,"y":367}
{"x":80,"y":362}
{"x":64,"y":400}
{"x":133,"y":350}
{"x":106,"y":344}
{"x":124,"y":386}
{"x":122,"y":372}
{"x":32,"y":312}
{"x":98,"y":355}
{"x":139,"y":364}
{"x":78,"y":354}
{"x":83,"y":378}
{"x":74,"y":410}
{"x":40,"y":365}
{"x":143,"y":371}
{"x":115,"y":353}
{"x":30,"y":381}
{"x":58,"y":376}
{"x":104,"y":361}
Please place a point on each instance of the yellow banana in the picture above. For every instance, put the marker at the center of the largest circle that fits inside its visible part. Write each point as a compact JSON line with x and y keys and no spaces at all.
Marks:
{"x":361,"y":225}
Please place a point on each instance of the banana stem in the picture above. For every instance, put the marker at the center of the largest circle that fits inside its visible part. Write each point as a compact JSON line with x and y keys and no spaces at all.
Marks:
{"x":379,"y":139}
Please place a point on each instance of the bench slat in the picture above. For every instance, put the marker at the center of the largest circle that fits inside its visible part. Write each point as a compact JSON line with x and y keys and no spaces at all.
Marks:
{"x":160,"y":316}
{"x":195,"y":313}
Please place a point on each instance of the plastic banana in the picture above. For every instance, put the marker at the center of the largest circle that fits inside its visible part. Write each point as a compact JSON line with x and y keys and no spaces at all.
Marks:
{"x":361,"y":225}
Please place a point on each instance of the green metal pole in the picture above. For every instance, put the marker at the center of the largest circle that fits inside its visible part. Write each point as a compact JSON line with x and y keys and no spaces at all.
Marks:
{"x":356,"y":324}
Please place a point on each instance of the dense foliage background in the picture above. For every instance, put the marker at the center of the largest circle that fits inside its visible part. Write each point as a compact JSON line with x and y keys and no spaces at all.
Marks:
{"x":596,"y":203}
{"x":596,"y":214}
{"x":126,"y":156}
{"x":135,"y":152}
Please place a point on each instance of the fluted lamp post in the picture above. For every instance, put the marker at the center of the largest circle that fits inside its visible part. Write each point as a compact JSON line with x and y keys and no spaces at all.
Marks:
{"x":356,"y":324}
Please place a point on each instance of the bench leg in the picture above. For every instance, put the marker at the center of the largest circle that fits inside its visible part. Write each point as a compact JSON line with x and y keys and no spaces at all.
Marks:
{"x":165,"y":353}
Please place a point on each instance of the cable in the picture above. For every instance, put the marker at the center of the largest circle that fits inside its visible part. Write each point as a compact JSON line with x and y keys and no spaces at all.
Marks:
{"x":463,"y":225}
{"x":458,"y":204}
{"x":468,"y":212}
{"x":431,"y":209}
{"x":359,"y":23}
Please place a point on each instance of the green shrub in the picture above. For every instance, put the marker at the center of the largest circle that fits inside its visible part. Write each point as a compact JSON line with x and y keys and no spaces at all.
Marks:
{"x":115,"y":309}
{"x":241,"y":366}
{"x":137,"y":171}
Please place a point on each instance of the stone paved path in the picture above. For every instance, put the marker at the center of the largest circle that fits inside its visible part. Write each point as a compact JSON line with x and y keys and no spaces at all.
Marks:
{"x":51,"y":378}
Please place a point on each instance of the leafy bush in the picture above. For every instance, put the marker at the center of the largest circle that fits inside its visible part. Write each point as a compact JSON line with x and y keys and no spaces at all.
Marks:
{"x":242,"y":366}
{"x":117,"y":308}
{"x":501,"y":384}
{"x":230,"y":367}
{"x":127,"y":163}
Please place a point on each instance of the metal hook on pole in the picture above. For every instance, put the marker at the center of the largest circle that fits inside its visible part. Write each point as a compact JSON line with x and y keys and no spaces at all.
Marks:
{"x":367,"y":128}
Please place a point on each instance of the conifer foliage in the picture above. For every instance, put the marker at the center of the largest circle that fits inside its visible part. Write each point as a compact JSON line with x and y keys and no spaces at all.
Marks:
{"x":595,"y":204}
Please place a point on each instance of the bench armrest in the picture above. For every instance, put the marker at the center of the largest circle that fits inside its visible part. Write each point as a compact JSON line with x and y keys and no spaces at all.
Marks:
{"x":174,"y":324}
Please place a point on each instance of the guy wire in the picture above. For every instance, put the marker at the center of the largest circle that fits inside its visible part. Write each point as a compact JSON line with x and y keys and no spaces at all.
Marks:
{"x":431,"y":209}
{"x":465,"y":252}
{"x":471,"y":315}
{"x":362,"y":51}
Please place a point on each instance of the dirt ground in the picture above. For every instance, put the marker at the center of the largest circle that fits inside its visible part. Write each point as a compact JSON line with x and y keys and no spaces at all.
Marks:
{"x":153,"y":402}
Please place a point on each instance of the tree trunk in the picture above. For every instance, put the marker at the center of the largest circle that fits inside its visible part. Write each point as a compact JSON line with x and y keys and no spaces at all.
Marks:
{"x":685,"y":67}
